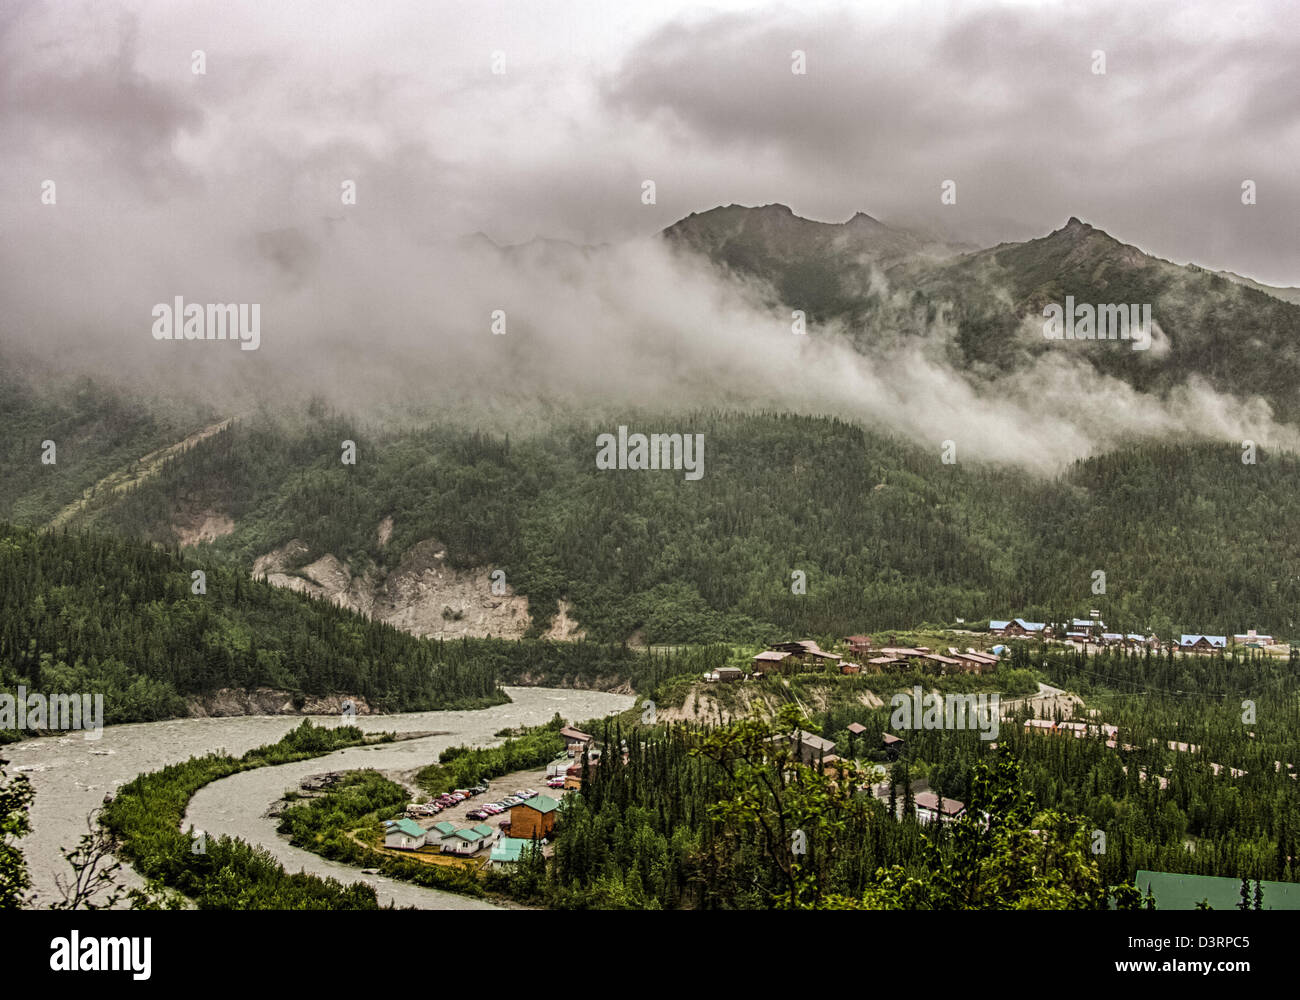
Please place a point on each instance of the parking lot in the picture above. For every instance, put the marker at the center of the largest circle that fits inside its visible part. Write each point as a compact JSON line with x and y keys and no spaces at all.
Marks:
{"x":498,"y":789}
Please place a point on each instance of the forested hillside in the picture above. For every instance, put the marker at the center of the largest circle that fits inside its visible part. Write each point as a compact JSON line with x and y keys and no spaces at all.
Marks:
{"x":1189,"y":537}
{"x":95,"y":429}
{"x":667,"y":827}
{"x":882,"y":532}
{"x":1068,"y":819}
{"x":118,"y":617}
{"x":886,"y":286}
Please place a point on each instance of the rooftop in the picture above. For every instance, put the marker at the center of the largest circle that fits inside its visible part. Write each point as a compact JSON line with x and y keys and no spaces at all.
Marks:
{"x":1190,"y":639}
{"x":542,"y":803}
{"x":1183,"y":892}
{"x":928,"y":800}
{"x":508,"y":849}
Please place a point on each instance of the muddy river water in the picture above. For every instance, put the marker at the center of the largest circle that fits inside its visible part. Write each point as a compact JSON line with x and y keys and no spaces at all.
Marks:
{"x":71,"y":776}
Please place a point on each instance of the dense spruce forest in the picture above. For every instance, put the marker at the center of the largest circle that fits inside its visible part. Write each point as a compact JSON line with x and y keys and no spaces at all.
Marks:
{"x":699,"y":818}
{"x":90,"y":612}
{"x":702,"y":816}
{"x":97,"y":431}
{"x":95,"y":613}
{"x":887,"y":535}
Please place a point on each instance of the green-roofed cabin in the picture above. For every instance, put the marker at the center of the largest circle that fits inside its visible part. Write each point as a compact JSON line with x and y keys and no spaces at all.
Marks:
{"x":405,"y":835}
{"x":465,"y":842}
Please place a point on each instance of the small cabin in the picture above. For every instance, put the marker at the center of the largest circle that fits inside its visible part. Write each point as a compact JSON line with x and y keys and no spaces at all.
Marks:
{"x":405,"y":835}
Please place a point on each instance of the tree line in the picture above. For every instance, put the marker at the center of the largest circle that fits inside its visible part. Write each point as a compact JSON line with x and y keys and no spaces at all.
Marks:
{"x":884,"y":534}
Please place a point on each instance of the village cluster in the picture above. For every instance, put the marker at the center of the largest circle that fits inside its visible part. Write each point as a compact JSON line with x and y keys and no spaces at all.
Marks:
{"x":1092,"y":632}
{"x":805,"y":655}
{"x":530,"y":815}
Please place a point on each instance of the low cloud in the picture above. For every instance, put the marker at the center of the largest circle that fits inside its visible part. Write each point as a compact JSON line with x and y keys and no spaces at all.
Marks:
{"x":226,"y":188}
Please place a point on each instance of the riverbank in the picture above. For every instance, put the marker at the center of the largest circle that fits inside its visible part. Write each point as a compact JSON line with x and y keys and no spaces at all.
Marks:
{"x":71,"y":776}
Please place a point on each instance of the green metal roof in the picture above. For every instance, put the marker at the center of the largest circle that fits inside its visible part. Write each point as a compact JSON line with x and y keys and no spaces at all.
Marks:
{"x":445,"y":828}
{"x":482,"y":828}
{"x":508,"y":849}
{"x":1183,"y":892}
{"x":470,"y":835}
{"x":542,"y":803}
{"x":408,"y":827}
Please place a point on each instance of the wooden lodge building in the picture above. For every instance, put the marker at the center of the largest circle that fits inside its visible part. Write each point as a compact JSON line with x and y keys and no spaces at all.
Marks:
{"x":534,"y":818}
{"x":929,"y":807}
{"x":859,"y":645}
{"x":1019,"y":628}
{"x":1193,"y":643}
{"x":808,"y":747}
{"x":795,"y":658}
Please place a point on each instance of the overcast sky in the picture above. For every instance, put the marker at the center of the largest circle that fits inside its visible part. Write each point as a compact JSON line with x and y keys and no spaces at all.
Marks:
{"x":597,"y":97}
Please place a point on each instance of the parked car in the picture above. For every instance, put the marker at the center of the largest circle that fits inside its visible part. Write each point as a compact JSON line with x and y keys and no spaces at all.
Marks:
{"x":480,"y":789}
{"x":556,"y":782}
{"x":478,"y":814}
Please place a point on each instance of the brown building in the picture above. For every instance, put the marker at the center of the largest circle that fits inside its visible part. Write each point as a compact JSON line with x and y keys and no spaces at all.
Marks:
{"x":534,"y":818}
{"x":930,"y":807}
{"x":974,"y":663}
{"x":859,"y":645}
{"x":771,"y":661}
{"x":573,"y":774}
{"x":808,"y":747}
{"x":1202,"y":643}
{"x":807,"y":654}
